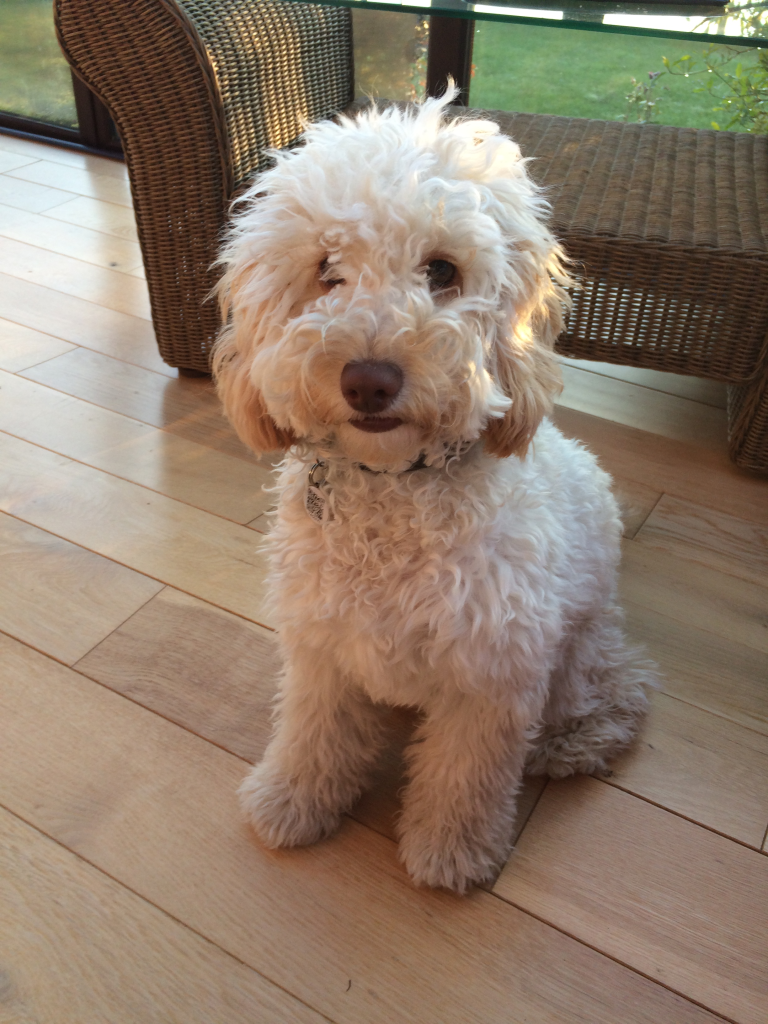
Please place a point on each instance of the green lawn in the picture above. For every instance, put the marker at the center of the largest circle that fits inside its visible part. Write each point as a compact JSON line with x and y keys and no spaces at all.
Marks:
{"x":34,"y":77}
{"x":582,"y":74}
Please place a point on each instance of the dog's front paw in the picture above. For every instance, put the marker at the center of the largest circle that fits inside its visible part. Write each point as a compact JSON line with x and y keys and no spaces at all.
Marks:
{"x":282,"y":812}
{"x":445,"y":861}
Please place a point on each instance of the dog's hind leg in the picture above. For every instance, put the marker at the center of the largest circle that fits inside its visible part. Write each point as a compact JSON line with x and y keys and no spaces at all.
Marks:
{"x":598,"y":697}
{"x":327,"y":736}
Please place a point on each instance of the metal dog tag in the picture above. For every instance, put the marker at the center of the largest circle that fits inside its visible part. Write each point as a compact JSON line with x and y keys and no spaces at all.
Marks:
{"x":316,"y":504}
{"x":316,"y":500}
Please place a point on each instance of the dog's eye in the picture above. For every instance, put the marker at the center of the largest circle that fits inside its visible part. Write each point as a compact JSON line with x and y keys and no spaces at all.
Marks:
{"x":440,"y":274}
{"x":326,"y":274}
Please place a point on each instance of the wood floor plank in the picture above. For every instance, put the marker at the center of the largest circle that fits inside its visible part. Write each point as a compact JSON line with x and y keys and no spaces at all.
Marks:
{"x":26,"y":195}
{"x":10,"y":161}
{"x":199,"y":666}
{"x":21,"y":347}
{"x":82,"y":181}
{"x":337,"y":924}
{"x":107,"y":288}
{"x":171,"y":465}
{"x":700,"y":534}
{"x":130,"y":339}
{"x":636,"y":502}
{"x":703,"y":767}
{"x":59,"y":597}
{"x":186,"y":406}
{"x":695,"y":595}
{"x":74,"y":240}
{"x":670,"y":466}
{"x":54,"y":419}
{"x":79,"y":947}
{"x":654,"y":411}
{"x":209,"y":427}
{"x":111,"y":166}
{"x":212,"y":480}
{"x":109,"y":218}
{"x":128,"y":389}
{"x":711,"y":671}
{"x":708,"y":392}
{"x":209,"y":557}
{"x":675,"y":901}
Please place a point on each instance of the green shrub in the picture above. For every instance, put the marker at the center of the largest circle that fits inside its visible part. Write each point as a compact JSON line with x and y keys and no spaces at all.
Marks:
{"x":740,"y":89}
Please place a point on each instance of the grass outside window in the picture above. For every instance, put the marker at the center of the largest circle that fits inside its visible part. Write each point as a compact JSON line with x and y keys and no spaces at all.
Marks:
{"x":584,"y":74}
{"x":34,"y":76}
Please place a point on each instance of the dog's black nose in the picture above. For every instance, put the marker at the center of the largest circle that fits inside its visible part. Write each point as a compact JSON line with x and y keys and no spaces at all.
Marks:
{"x":370,"y":386}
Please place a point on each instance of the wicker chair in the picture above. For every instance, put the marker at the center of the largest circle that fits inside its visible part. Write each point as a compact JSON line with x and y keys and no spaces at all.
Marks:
{"x":199,"y":90}
{"x":668,"y":225}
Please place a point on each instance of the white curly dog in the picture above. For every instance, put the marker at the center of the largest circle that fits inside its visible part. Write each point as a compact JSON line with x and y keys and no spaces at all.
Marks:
{"x":393,"y":295}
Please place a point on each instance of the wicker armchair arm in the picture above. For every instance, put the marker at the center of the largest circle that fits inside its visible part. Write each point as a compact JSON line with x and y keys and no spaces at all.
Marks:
{"x":199,"y":90}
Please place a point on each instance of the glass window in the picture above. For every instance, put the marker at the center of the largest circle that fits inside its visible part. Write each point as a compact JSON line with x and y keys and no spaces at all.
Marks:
{"x":390,"y":54}
{"x":34,"y":76}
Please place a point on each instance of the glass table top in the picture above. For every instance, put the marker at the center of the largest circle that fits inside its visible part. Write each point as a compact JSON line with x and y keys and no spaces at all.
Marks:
{"x":742,"y":23}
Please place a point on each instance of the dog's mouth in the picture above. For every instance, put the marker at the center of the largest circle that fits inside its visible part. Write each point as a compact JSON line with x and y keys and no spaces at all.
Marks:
{"x":376,"y":424}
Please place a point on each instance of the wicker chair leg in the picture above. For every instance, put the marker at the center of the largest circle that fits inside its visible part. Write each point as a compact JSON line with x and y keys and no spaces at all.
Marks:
{"x":748,"y":423}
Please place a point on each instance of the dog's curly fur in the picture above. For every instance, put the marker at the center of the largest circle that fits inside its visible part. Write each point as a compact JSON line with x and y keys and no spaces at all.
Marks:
{"x":481,"y":587}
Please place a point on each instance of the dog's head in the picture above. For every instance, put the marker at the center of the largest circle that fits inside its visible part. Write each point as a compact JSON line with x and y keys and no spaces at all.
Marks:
{"x":391,"y":289}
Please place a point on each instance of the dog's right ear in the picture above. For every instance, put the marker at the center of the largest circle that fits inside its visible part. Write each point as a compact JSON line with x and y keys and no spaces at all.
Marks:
{"x":530,"y":377}
{"x":243,"y":402}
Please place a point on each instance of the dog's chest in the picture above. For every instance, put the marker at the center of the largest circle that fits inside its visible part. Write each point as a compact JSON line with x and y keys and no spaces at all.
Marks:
{"x":387,"y":583}
{"x":392,"y":560}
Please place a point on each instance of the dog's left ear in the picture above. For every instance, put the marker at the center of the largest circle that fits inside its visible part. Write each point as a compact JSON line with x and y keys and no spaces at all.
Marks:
{"x":233,"y":354}
{"x":528,"y":373}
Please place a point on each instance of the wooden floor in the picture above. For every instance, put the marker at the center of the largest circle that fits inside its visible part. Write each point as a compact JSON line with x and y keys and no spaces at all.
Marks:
{"x":137,"y":666}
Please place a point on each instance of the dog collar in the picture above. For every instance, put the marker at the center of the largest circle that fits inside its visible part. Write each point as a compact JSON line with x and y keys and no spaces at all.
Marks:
{"x":420,"y":463}
{"x":317,"y":497}
{"x":318,"y":489}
